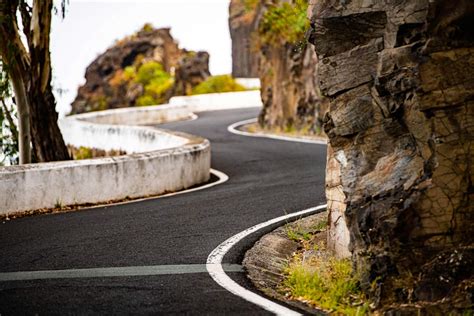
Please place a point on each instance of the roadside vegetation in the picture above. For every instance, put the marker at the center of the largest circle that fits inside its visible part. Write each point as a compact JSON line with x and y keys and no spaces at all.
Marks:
{"x":157,"y":84}
{"x":316,"y":278}
{"x":284,"y":23}
{"x":79,"y":153}
{"x":305,"y":131}
{"x":8,"y":124}
{"x":216,"y":84}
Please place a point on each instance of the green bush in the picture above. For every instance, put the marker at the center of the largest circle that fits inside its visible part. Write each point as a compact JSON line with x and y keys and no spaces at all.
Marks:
{"x":215,"y":84}
{"x":83,"y":153}
{"x":151,"y":71}
{"x":250,"y":5}
{"x":284,"y":23}
{"x":155,"y":80}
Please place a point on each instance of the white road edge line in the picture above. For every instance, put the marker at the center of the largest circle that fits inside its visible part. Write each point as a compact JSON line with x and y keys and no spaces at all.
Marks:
{"x":233,"y":129}
{"x":221,"y":175}
{"x":222,"y":178}
{"x":214,"y":265}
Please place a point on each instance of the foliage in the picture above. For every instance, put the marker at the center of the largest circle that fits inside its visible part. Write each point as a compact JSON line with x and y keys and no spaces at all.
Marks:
{"x":215,"y":84}
{"x":147,"y":27}
{"x":155,"y":81}
{"x":8,"y":136}
{"x":327,"y":283}
{"x":250,"y":5}
{"x":299,"y":233}
{"x":8,"y":123}
{"x":83,"y":153}
{"x":284,"y":23}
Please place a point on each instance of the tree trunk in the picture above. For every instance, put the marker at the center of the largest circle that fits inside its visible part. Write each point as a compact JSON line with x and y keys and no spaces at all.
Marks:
{"x":15,"y":60}
{"x":32,"y":70}
{"x":24,"y":133}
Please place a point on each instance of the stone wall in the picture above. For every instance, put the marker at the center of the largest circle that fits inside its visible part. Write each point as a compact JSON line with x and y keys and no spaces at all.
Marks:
{"x":289,"y":89}
{"x":399,"y":76}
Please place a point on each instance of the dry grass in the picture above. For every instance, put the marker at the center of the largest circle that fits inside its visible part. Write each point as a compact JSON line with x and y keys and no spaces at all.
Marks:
{"x":288,"y":132}
{"x":316,"y":278}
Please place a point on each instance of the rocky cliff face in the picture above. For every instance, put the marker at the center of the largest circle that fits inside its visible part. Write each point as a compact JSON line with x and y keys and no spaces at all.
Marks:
{"x":289,"y":86}
{"x":242,"y":25}
{"x":399,"y":76}
{"x":192,"y":69}
{"x":290,"y":94}
{"x":138,"y":70}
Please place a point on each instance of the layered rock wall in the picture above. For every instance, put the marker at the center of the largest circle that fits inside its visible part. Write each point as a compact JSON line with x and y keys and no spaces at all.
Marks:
{"x":289,"y":88}
{"x":288,"y":77}
{"x":192,"y":69}
{"x":399,"y":76}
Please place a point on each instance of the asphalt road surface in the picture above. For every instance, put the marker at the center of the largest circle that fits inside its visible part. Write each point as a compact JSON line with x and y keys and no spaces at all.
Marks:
{"x":268,"y":178}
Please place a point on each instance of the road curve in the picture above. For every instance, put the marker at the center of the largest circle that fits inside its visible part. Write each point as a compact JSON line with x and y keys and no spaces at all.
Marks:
{"x":172,"y":235}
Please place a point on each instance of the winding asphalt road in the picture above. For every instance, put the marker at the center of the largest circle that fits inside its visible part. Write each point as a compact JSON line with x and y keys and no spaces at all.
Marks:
{"x":268,"y":178}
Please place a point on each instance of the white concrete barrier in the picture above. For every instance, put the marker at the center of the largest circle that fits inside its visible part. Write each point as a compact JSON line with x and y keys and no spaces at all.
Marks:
{"x":157,"y":161}
{"x":219,"y":101}
{"x":131,"y":139}
{"x":249,"y":83}
{"x":99,"y":180}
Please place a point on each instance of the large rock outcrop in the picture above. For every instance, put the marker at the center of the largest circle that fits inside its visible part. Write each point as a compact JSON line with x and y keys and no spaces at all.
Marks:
{"x":114,"y":79}
{"x":399,"y":76}
{"x":242,"y":25}
{"x":290,"y":95}
{"x":288,"y":78}
{"x":190,"y":72}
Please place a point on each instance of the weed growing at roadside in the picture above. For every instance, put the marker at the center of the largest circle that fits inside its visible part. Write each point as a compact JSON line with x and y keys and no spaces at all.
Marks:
{"x":327,"y":283}
{"x":58,"y":204}
{"x":83,"y":153}
{"x":299,"y":233}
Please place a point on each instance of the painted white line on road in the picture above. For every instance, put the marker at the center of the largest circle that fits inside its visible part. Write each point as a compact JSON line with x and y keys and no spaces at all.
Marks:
{"x":111,"y":272}
{"x":233,"y":128}
{"x":222,"y":178}
{"x":215,"y":267}
{"x":219,"y":174}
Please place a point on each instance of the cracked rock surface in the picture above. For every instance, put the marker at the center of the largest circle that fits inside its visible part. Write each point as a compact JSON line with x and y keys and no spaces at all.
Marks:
{"x":399,"y":76}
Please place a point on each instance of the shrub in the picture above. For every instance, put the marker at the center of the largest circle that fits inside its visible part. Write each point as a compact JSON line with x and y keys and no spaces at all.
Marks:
{"x":151,"y":71}
{"x":215,"y":84}
{"x":250,"y":5}
{"x":83,"y":153}
{"x":154,"y":79}
{"x":147,"y":27}
{"x":284,"y":23}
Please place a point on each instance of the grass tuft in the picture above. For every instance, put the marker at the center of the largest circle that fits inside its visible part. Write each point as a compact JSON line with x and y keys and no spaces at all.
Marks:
{"x":327,"y":283}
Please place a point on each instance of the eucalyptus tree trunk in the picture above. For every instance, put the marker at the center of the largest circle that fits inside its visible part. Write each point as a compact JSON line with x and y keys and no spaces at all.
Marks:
{"x":30,"y":72}
{"x":24,"y":138}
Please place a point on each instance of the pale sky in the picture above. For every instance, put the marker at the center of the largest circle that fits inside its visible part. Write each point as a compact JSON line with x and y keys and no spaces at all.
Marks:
{"x":90,"y":27}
